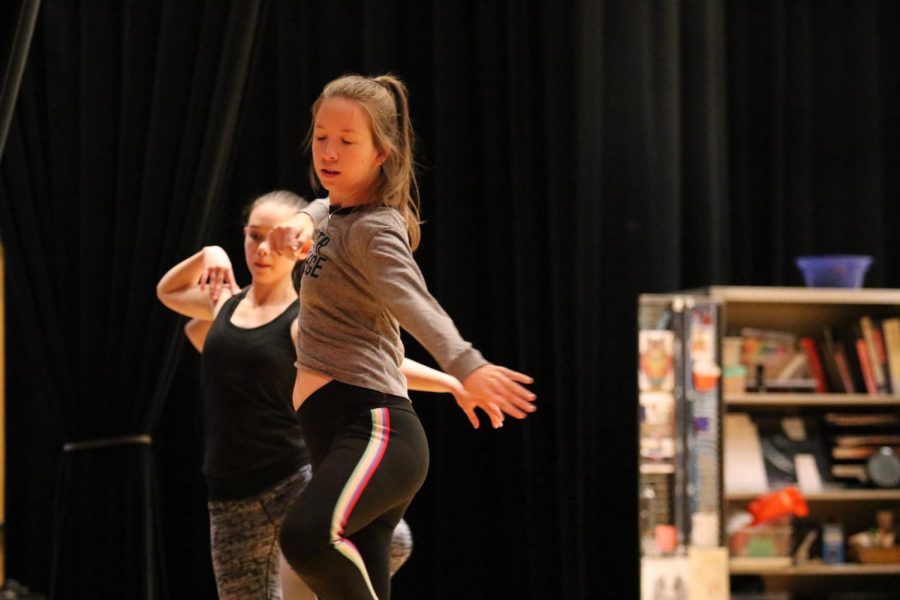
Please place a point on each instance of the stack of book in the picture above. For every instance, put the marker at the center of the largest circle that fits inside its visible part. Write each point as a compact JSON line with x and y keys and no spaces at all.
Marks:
{"x":856,"y":437}
{"x":861,"y":356}
{"x":858,"y":357}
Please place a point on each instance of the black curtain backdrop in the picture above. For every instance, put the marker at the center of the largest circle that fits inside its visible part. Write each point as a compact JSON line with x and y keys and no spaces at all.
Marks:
{"x":572,"y":155}
{"x":113,"y":169}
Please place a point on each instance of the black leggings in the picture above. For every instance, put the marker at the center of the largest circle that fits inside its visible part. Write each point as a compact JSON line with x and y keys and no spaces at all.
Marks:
{"x":369,"y":458}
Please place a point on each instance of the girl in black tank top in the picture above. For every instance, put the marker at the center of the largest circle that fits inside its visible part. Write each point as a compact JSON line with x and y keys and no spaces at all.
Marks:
{"x":255,"y":461}
{"x":252,"y":436}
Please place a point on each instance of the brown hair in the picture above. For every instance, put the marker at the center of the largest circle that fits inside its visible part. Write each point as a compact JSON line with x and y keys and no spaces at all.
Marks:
{"x":385,"y":100}
{"x":283,"y":197}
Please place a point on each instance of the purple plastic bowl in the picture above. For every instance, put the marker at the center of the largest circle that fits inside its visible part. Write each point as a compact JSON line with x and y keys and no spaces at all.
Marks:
{"x":834,"y":271}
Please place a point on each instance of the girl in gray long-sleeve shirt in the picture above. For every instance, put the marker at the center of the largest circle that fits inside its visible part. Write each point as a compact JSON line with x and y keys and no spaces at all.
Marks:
{"x":360,"y":284}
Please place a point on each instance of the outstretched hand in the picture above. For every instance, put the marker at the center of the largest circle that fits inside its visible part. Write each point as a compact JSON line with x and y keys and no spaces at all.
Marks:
{"x":217,"y":273}
{"x":497,"y":391}
{"x":292,"y":238}
{"x":468,"y":403}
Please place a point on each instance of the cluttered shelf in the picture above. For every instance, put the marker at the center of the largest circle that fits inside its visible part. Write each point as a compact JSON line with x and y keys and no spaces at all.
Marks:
{"x":801,"y":399}
{"x":739,"y":566}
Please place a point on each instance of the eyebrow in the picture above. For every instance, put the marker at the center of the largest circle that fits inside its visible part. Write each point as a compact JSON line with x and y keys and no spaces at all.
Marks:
{"x":317,"y":126}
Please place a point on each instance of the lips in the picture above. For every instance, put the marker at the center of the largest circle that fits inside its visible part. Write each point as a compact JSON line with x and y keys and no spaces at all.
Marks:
{"x":328,"y":173}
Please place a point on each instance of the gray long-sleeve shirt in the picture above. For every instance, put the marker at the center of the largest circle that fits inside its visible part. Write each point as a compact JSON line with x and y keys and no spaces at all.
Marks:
{"x":360,"y":284}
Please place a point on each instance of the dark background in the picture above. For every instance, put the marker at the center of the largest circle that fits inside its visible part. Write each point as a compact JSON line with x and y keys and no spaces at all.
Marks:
{"x":573,"y":154}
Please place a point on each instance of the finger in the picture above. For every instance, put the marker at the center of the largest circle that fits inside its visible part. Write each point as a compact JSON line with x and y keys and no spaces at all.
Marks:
{"x":515,"y":375}
{"x":515,"y":390}
{"x":203,"y":277}
{"x":276,"y":240}
{"x":218,"y":279}
{"x":473,"y":418}
{"x":501,"y":398}
{"x":522,"y":405}
{"x":496,"y":417}
{"x":493,"y":412}
{"x":511,"y":409}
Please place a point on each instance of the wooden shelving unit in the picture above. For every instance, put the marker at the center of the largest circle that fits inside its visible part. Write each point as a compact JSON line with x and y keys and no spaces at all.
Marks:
{"x":805,"y":311}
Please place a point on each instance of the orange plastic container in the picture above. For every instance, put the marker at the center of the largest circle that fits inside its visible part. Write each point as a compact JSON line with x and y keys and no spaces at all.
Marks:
{"x":786,"y":501}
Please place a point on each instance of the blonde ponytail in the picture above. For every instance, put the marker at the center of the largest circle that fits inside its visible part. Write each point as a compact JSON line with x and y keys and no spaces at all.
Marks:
{"x":385,"y":101}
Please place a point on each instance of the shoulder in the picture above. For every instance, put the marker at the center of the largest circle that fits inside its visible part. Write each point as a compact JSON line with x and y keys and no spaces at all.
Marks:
{"x":379,"y":221}
{"x":228,"y":299}
{"x":295,"y":328}
{"x":376,"y":218}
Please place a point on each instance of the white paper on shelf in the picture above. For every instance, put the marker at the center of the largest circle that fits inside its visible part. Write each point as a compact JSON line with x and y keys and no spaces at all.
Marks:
{"x":745,"y":471}
{"x":808,"y":477}
{"x":708,"y":574}
{"x":664,"y":577}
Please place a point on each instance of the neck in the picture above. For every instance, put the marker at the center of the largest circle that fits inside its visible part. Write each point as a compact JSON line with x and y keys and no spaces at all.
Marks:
{"x":357,"y":197}
{"x":278,"y":292}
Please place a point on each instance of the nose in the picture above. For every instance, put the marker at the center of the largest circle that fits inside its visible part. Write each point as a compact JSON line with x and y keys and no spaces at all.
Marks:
{"x":263,"y":248}
{"x":330,"y":152}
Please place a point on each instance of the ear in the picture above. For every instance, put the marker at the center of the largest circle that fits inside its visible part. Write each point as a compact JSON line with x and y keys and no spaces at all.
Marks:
{"x":382,"y":156}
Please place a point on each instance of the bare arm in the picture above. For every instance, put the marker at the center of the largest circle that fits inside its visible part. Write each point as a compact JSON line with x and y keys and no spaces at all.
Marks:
{"x":425,"y":379}
{"x":184,"y":287}
{"x":196,"y":331}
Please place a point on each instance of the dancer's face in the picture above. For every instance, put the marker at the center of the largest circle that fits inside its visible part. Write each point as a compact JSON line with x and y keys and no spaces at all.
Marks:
{"x":344,"y":154}
{"x":264,"y":265}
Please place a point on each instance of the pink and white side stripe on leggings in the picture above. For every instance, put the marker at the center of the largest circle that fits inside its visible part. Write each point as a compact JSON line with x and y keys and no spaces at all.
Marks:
{"x":356,"y":484}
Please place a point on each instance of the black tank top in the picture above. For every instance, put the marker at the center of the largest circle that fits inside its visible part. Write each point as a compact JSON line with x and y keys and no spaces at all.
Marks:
{"x":252,"y":434}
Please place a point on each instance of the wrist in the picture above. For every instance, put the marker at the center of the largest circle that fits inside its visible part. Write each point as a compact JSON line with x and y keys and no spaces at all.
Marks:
{"x":454,"y":385}
{"x":302,"y":219}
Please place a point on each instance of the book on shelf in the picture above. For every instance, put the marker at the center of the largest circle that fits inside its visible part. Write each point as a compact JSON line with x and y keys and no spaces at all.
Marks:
{"x":891,"y":329}
{"x":874,"y":345}
{"x":855,"y":473}
{"x":867,"y":440}
{"x":856,"y":452}
{"x":796,"y":368}
{"x":771,"y":349}
{"x":843,"y":366}
{"x":816,"y":364}
{"x":859,"y":420}
{"x":838,"y":375}
{"x":865,"y":366}
{"x":850,"y":349}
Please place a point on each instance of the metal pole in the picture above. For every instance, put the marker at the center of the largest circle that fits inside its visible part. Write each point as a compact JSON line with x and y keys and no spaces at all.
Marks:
{"x":15,"y":65}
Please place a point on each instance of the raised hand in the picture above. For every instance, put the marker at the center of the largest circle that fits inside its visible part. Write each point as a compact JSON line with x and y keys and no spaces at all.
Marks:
{"x":292,"y":237}
{"x":217,"y":273}
{"x":498,"y":391}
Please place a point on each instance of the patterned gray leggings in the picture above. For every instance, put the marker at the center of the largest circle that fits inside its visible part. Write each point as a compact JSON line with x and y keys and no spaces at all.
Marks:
{"x":244,"y":541}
